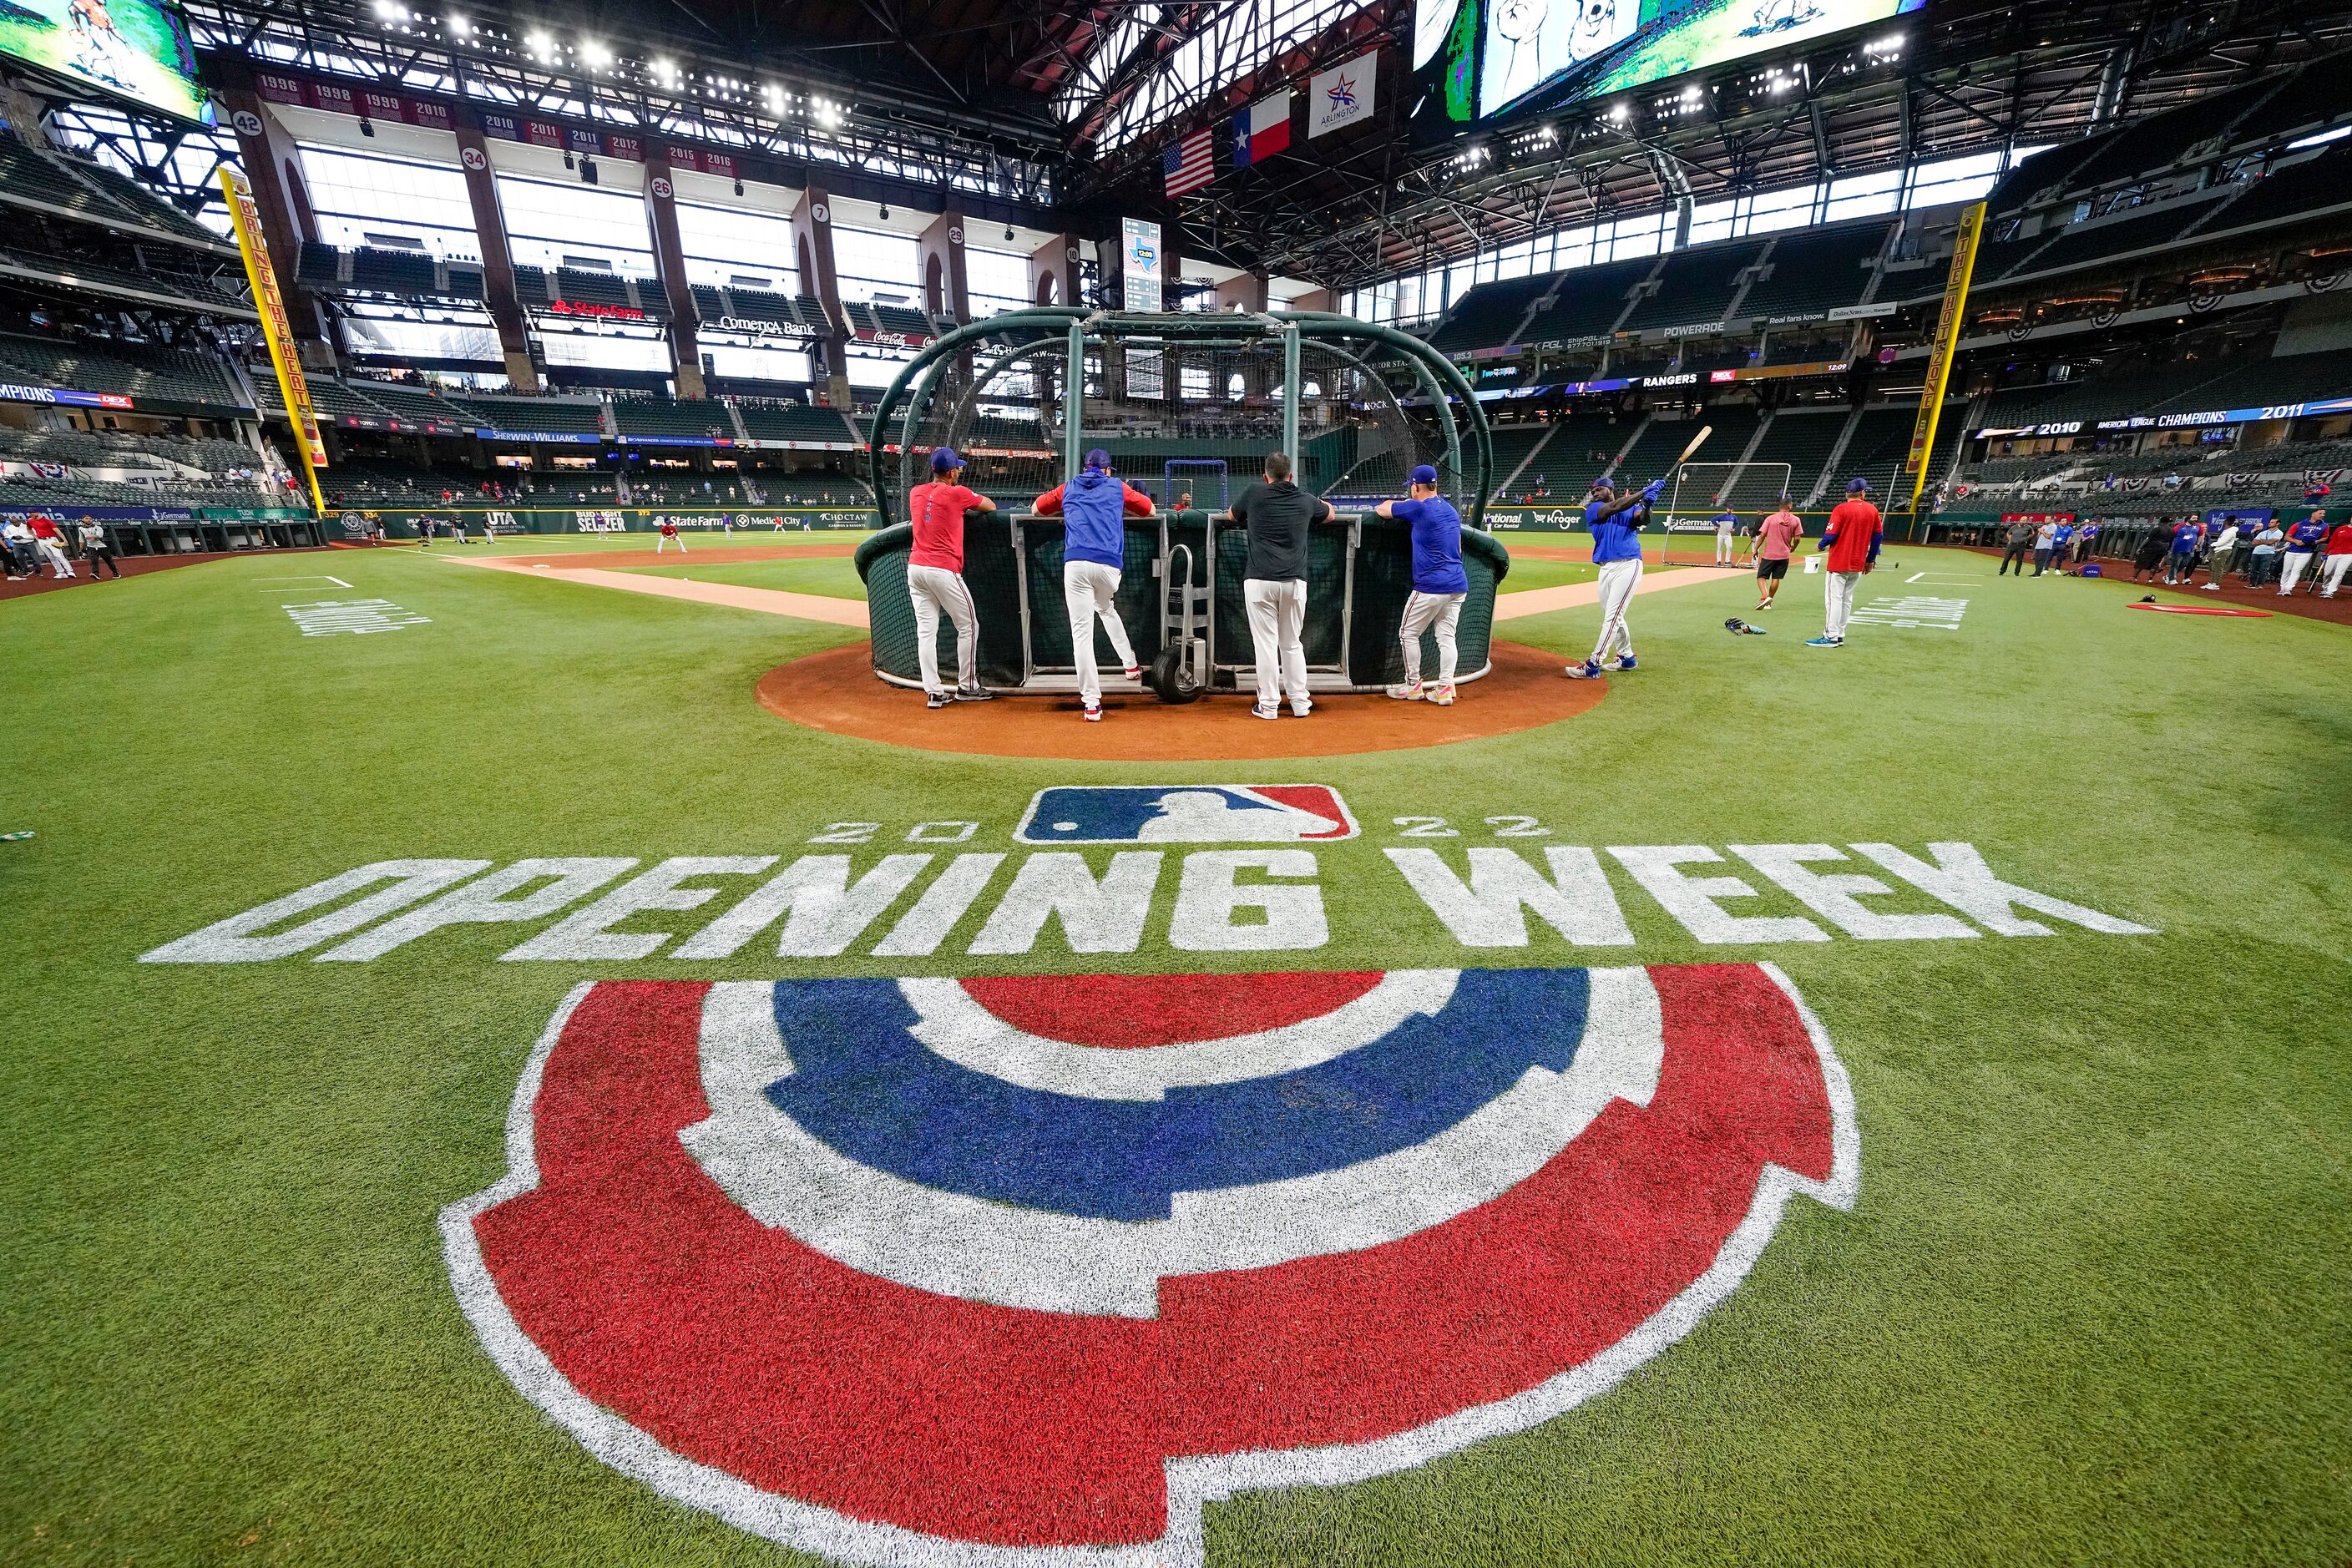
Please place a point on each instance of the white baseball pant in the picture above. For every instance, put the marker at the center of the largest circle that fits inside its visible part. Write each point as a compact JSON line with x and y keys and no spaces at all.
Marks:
{"x":58,"y":561}
{"x":1837,"y":595}
{"x":1618,"y":581}
{"x":1723,"y":547}
{"x":2291,"y":571}
{"x":1278,"y":616}
{"x":2331,"y":575}
{"x":667,"y":539}
{"x":1090,"y":589}
{"x":1430,"y":611}
{"x":934,"y":589}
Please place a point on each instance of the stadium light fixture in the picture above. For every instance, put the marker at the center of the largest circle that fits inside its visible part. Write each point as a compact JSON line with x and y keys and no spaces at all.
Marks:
{"x":540,"y":45}
{"x":1621,"y":115}
{"x":593,"y":55}
{"x":457,"y":27}
{"x":391,"y":11}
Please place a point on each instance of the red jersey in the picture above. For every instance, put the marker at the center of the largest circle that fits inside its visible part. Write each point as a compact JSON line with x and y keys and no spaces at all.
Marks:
{"x":2340,"y":542}
{"x":939,"y":511}
{"x":669,"y":529}
{"x":43,"y":528}
{"x":1856,"y":526}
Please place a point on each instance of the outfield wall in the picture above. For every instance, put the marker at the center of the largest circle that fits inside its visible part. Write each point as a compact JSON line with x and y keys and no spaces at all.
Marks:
{"x":400,"y":521}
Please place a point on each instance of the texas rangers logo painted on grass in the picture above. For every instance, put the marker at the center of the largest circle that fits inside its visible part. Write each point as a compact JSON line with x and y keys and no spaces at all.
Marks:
{"x":1024,"y":1271}
{"x":1185,"y":813}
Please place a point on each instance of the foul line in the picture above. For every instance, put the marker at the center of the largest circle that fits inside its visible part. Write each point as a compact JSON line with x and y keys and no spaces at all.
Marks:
{"x":308,"y":577}
{"x":1569,"y":595}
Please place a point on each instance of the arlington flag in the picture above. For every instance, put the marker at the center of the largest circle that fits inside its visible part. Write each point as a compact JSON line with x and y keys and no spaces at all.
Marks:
{"x":1342,"y":96}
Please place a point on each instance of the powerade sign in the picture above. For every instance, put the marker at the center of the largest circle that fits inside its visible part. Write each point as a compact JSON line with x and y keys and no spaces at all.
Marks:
{"x":21,"y":392}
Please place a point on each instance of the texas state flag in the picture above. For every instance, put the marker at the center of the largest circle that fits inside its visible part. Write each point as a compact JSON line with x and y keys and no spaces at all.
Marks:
{"x":1261,"y":129}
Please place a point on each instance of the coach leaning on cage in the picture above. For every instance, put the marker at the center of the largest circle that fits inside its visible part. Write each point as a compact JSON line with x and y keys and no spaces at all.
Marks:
{"x":1095,"y":508}
{"x":1277,"y":514}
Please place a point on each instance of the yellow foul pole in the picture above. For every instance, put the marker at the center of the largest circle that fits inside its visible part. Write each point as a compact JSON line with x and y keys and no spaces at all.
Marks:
{"x":1947,"y":338}
{"x":272,"y":309}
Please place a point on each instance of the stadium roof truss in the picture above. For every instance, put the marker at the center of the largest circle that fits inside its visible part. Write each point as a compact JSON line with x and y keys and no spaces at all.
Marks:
{"x":1367,"y":206}
{"x":696,"y":88}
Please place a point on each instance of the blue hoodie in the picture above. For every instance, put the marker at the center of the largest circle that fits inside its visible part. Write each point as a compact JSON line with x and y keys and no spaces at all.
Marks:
{"x":1094,"y":512}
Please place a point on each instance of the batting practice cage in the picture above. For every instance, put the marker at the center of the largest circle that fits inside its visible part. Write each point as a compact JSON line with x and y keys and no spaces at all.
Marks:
{"x":1187,"y":406}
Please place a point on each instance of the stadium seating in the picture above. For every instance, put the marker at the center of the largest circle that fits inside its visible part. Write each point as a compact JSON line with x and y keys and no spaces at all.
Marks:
{"x":1486,"y":315}
{"x":2088,"y":244}
{"x":654,"y":419}
{"x":2292,"y":192}
{"x":144,"y":371}
{"x":393,"y":271}
{"x":794,"y":422}
{"x":1589,"y":302}
{"x":1814,"y":272}
{"x":112,"y":449}
{"x":1801,"y":438}
{"x":1696,"y":285}
{"x":554,"y":415}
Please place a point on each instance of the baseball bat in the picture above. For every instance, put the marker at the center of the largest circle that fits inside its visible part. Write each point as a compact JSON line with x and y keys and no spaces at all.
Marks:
{"x":1703,"y":432}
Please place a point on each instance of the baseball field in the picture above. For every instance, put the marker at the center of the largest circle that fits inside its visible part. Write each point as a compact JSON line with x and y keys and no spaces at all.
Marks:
{"x":484,"y":1086}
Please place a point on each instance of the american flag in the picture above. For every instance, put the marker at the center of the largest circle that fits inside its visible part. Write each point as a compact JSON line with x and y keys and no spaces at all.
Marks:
{"x":1189,"y":164}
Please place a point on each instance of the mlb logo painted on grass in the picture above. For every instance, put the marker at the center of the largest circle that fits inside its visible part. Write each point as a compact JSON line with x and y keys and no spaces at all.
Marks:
{"x":1186,"y":813}
{"x":1024,"y":1271}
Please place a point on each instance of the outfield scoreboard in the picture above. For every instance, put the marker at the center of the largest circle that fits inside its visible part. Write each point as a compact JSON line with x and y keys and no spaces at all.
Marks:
{"x":132,"y":50}
{"x":1481,"y":58}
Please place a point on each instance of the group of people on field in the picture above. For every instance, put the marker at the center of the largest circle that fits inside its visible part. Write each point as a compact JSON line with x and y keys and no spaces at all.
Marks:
{"x":2260,"y":548}
{"x":30,"y":543}
{"x":1276,"y":515}
{"x":2056,"y":544}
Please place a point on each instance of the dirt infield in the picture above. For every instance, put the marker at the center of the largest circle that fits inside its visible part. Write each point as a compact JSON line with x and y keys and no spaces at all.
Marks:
{"x":837,"y":690}
{"x":706,"y":554}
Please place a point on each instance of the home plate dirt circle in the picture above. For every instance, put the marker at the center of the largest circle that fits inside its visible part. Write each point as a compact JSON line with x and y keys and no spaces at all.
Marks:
{"x":837,"y":691}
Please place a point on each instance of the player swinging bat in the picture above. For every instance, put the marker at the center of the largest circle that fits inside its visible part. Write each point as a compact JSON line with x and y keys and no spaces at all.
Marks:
{"x":1615,"y":525}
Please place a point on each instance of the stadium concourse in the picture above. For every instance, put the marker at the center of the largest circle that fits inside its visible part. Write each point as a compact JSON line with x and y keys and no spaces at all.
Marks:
{"x":1020,"y":786}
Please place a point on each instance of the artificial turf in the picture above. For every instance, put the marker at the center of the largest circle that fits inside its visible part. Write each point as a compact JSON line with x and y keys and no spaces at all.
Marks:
{"x":2092,"y":1305}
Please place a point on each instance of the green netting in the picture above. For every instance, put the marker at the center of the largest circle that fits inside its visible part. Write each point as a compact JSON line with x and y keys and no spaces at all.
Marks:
{"x":1138,"y":598}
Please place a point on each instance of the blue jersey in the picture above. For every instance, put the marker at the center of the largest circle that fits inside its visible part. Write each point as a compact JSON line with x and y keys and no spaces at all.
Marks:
{"x":1615,"y":538}
{"x":2305,"y":537}
{"x":1436,"y":545}
{"x":2184,"y":537}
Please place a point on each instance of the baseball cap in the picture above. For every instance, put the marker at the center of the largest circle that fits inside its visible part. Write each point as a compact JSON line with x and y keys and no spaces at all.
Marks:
{"x":945,"y":458}
{"x":1422,"y":474}
{"x":1098,"y":458}
{"x":1604,"y":483}
{"x":1856,"y":486}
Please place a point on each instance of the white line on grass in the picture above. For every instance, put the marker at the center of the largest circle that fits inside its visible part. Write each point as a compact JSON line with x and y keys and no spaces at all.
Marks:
{"x":315,"y":577}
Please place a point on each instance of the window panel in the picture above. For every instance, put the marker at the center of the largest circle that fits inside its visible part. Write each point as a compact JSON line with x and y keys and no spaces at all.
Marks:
{"x":871,"y":261}
{"x":354,"y":193}
{"x":756,"y":364}
{"x":722,"y":243}
{"x":546,"y":221}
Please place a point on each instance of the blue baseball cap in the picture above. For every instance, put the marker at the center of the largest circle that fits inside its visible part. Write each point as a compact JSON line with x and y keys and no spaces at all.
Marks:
{"x":1422,"y":474}
{"x":1604,"y":483}
{"x":945,"y":458}
{"x":1098,"y":458}
{"x":1856,"y":486}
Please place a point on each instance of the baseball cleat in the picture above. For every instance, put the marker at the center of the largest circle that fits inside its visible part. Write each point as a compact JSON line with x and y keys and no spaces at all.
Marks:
{"x":1134,"y":672}
{"x":1825,"y":641}
{"x":936,"y":699}
{"x":1589,"y":670}
{"x":1262,"y":711}
{"x":1094,"y":715}
{"x":1627,"y":663}
{"x":1441,"y":696}
{"x":1408,"y":692}
{"x":1300,"y":710}
{"x":974,"y":694}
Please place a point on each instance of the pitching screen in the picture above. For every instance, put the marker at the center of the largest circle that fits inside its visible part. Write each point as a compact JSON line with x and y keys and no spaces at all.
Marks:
{"x":129,"y":50}
{"x":1492,"y":56}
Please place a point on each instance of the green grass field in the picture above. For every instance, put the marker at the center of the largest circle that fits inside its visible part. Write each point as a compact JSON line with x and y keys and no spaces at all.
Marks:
{"x":2091,"y":1306}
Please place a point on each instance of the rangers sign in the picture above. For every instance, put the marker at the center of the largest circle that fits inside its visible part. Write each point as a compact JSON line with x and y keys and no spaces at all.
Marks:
{"x":1024,"y":1271}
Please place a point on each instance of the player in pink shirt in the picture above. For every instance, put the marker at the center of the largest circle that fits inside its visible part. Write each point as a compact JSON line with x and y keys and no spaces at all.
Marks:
{"x":935,"y":578}
{"x":1776,"y":538}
